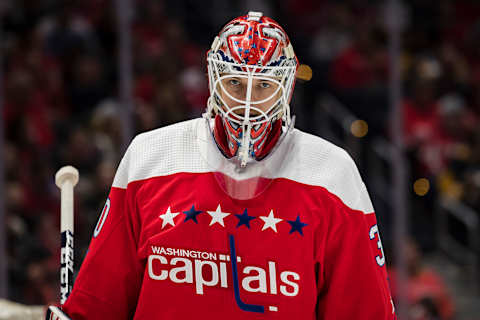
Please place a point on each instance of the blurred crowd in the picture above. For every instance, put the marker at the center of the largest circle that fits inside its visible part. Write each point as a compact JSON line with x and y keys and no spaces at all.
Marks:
{"x":61,"y":101}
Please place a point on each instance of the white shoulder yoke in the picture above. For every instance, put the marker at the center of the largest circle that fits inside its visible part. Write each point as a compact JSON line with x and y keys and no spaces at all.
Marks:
{"x":305,"y":159}
{"x":321,"y":163}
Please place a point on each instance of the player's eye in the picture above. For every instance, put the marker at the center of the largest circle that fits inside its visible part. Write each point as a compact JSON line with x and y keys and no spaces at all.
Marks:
{"x":233,"y":82}
{"x":265,"y":85}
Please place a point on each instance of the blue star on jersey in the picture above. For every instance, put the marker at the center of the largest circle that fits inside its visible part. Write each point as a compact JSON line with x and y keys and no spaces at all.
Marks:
{"x":244,"y":219}
{"x":192,"y":214}
{"x":297,"y":225}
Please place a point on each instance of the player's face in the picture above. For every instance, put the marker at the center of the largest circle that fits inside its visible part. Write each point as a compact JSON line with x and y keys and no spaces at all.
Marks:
{"x":264,"y":93}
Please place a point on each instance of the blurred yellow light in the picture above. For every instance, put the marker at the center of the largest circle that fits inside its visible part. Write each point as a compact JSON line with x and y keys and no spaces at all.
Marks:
{"x":421,"y":186}
{"x":304,"y":72}
{"x":359,"y":128}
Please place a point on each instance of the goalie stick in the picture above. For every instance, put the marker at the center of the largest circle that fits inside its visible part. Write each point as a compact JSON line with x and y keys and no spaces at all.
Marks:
{"x":66,"y":178}
{"x":54,"y":313}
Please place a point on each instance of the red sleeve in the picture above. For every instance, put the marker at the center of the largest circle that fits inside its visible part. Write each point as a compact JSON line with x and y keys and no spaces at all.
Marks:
{"x":109,"y":280}
{"x":354,"y":280}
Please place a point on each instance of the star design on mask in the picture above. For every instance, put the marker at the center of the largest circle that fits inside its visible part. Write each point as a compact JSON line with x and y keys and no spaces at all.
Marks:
{"x":167,"y":217}
{"x":218,"y":216}
{"x":270,"y":221}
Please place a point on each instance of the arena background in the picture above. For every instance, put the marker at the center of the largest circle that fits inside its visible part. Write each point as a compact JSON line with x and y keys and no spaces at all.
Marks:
{"x":396,"y":83}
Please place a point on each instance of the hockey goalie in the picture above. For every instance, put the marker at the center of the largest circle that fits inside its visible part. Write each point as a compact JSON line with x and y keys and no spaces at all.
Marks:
{"x":236,"y":214}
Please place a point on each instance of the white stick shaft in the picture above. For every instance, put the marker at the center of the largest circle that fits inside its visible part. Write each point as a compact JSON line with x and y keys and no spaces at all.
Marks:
{"x":66,"y":178}
{"x":66,"y":211}
{"x":66,"y":230}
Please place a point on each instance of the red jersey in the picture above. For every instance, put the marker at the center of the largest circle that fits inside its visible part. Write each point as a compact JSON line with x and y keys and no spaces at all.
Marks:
{"x":171,"y":244}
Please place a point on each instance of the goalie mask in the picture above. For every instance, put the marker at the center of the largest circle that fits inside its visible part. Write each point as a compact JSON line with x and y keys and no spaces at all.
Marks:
{"x":251,"y":71}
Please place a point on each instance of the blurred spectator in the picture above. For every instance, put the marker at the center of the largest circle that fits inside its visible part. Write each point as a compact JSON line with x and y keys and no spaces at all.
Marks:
{"x":424,"y":134}
{"x":26,"y":111}
{"x":362,"y":64}
{"x":88,"y":84}
{"x":426,"y":292}
{"x":106,"y":129}
{"x":359,"y":73}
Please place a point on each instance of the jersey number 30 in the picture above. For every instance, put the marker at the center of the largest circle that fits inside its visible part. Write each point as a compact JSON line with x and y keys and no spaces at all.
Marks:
{"x":380,"y":259}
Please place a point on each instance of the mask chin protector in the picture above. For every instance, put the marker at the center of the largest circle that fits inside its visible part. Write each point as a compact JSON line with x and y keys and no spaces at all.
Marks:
{"x":263,"y":137}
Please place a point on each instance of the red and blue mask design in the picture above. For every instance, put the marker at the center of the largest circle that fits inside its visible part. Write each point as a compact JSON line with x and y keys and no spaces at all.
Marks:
{"x":253,"y":51}
{"x":264,"y":137}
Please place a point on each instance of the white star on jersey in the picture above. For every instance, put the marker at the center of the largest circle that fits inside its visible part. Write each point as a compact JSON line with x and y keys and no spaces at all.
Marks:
{"x":270,"y":221}
{"x":167,"y":218}
{"x":218,"y":216}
